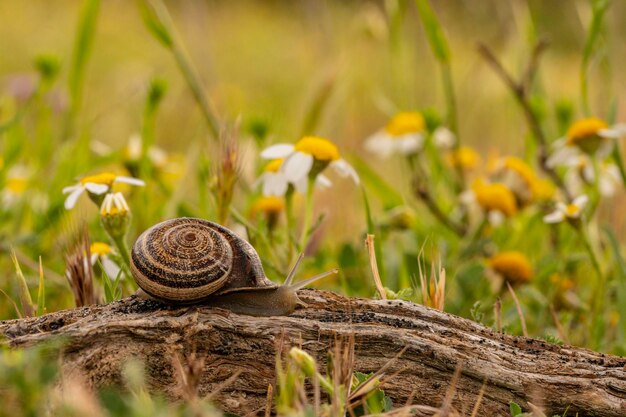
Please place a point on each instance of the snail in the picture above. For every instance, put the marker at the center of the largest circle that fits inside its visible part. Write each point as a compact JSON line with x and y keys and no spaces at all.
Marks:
{"x":188,"y":260}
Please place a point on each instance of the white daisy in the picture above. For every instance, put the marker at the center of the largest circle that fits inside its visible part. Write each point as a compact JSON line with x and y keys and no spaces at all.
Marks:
{"x":114,"y":204}
{"x":96,"y":184}
{"x":571,"y":211}
{"x":581,"y":172}
{"x":308,"y":157}
{"x":404,"y":134}
{"x":100,"y":251}
{"x":592,"y":136}
{"x":274,"y":181}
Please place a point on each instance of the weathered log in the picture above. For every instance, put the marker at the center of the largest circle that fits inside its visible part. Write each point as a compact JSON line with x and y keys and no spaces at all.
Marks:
{"x":101,"y":338}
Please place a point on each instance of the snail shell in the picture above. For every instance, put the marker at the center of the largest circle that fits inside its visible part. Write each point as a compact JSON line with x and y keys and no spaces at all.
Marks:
{"x":186,"y":260}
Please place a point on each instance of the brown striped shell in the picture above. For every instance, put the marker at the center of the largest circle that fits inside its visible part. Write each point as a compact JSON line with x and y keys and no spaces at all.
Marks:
{"x":187,"y":260}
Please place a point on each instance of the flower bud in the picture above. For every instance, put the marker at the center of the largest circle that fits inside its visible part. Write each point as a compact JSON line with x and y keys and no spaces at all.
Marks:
{"x":304,"y":361}
{"x":115,"y":215}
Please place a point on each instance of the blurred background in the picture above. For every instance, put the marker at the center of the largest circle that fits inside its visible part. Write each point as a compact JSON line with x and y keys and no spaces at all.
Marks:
{"x":263,"y":66}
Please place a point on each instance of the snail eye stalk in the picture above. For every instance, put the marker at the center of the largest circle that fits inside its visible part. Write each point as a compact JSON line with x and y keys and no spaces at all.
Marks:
{"x":302,"y":284}
{"x":292,"y":272}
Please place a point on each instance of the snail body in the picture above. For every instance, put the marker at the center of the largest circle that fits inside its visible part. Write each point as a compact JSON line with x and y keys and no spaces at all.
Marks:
{"x":189,"y":260}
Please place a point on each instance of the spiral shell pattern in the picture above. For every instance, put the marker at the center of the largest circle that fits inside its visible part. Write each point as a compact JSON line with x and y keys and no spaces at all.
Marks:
{"x":182,"y":260}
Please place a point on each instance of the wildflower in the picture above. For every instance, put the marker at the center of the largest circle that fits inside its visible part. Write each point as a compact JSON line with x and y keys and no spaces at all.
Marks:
{"x":15,"y":184}
{"x":464,"y":157}
{"x":591,"y":133}
{"x":308,"y":158}
{"x":96,"y":185}
{"x":512,"y":266}
{"x":570,"y":212}
{"x":115,"y":215}
{"x":271,"y":206}
{"x":496,"y":199}
{"x":583,"y":173}
{"x":304,"y":361}
{"x":591,"y":136}
{"x":274,"y":182}
{"x":444,"y":138}
{"x":401,"y":218}
{"x":403,"y":134}
{"x":520,"y":178}
{"x":100,"y":251}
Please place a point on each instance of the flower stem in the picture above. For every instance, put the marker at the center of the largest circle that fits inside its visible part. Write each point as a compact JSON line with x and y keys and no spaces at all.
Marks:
{"x":122,"y":248}
{"x":599,"y":290}
{"x":289,"y":215}
{"x":308,"y":214}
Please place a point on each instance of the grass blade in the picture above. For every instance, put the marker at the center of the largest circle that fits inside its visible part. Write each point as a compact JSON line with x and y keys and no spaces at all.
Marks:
{"x":434,"y":33}
{"x":599,"y":8}
{"x":41,"y":292}
{"x":28,"y":310}
{"x":82,"y":49}
{"x":159,"y":22}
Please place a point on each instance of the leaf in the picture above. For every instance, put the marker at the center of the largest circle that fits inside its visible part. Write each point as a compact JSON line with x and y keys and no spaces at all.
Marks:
{"x":434,"y":33}
{"x":515,"y":409}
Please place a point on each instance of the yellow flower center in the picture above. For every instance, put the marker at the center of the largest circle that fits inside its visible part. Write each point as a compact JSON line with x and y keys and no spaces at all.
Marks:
{"x":320,"y":148}
{"x":512,"y":266}
{"x":584,"y":129}
{"x":16,"y":185}
{"x":543,"y":190}
{"x":521,"y":168}
{"x":405,"y":122}
{"x":100,"y":248}
{"x":273,"y":165}
{"x":268,"y":205}
{"x":465,"y":157}
{"x":495,"y":197}
{"x":572,"y":210}
{"x":105,"y":178}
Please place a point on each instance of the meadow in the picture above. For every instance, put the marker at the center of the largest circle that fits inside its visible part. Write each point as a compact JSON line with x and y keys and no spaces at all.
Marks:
{"x":478,"y":144}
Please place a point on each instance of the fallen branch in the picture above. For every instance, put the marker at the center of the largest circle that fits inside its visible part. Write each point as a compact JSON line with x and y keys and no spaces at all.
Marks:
{"x":496,"y":368}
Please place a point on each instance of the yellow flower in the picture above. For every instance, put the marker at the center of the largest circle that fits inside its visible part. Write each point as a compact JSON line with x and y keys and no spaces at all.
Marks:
{"x":571,"y":211}
{"x":520,"y":167}
{"x":464,"y":157}
{"x":100,"y":251}
{"x":97,"y":185}
{"x":405,"y":122}
{"x":513,"y":266}
{"x":543,"y":189}
{"x":496,"y":197}
{"x":590,"y":135}
{"x":115,"y":215}
{"x":271,"y":207}
{"x":320,"y":148}
{"x":308,"y":158}
{"x":100,"y":248}
{"x":268,"y":205}
{"x":523,"y":181}
{"x":585,"y":129}
{"x":403,"y":134}
{"x":273,"y":165}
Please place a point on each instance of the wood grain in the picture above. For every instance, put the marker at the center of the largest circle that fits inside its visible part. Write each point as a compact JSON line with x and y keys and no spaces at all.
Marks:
{"x":102,"y":338}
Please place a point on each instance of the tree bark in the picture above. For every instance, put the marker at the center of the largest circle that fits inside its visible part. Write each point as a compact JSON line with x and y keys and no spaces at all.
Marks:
{"x":101,"y":338}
